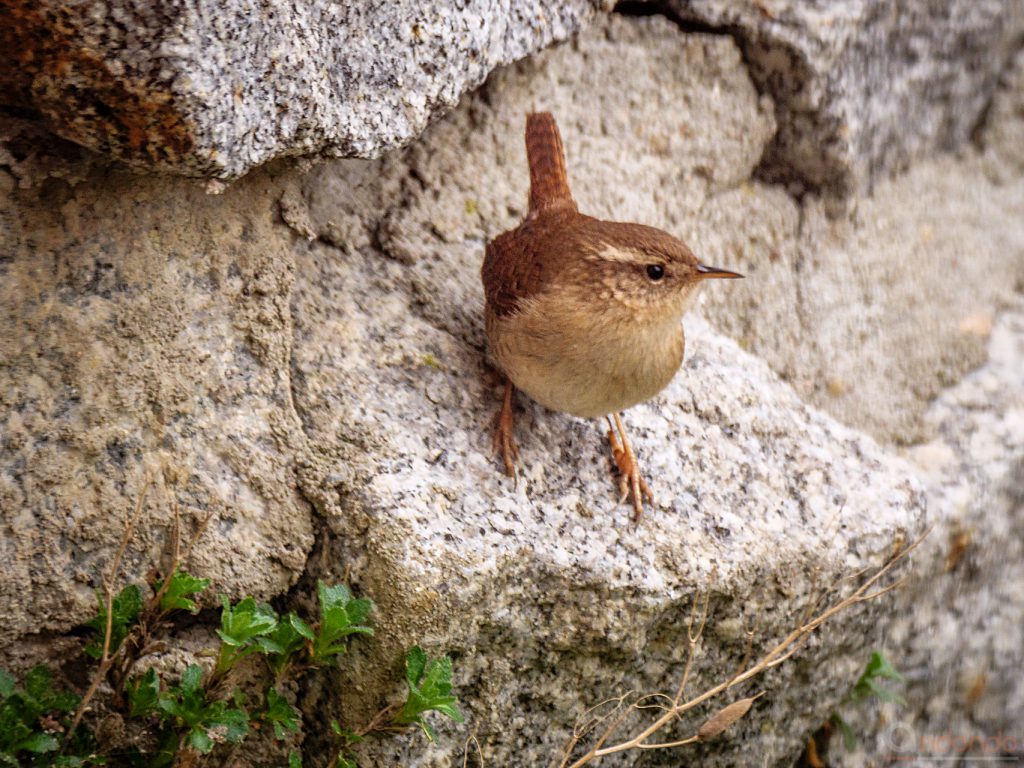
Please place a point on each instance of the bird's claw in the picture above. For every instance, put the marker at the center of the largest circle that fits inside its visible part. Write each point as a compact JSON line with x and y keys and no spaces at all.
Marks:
{"x":630,"y":480}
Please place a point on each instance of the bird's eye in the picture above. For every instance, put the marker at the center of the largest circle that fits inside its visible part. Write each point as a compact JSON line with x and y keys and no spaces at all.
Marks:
{"x":655,"y":272}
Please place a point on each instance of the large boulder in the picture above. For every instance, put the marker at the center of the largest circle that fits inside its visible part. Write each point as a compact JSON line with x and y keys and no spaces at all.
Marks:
{"x":213,"y":89}
{"x":863,"y":87}
{"x":957,"y":624}
{"x":145,"y":337}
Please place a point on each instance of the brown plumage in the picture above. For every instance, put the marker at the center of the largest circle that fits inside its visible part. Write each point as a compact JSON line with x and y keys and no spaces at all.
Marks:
{"x":582,"y":314}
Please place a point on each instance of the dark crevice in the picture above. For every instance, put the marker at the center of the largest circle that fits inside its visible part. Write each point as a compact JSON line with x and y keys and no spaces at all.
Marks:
{"x":774,"y":167}
{"x":641,"y":9}
{"x":985,"y":114}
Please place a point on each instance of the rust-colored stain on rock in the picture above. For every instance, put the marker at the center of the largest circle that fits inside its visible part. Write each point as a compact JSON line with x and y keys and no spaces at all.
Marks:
{"x":47,"y":68}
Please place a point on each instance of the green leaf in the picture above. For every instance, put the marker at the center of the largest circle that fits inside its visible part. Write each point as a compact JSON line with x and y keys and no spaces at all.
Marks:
{"x":199,"y":740}
{"x":125,"y":610}
{"x":415,"y":665}
{"x":38,"y":743}
{"x":849,"y":737}
{"x":6,"y":685}
{"x":240,"y":626}
{"x":340,"y":616}
{"x":245,"y":620}
{"x":192,"y":680}
{"x":287,"y":640}
{"x":207,"y":722}
{"x":229,"y":724}
{"x":301,"y":627}
{"x":39,"y":683}
{"x":281,"y":714}
{"x":879,"y":666}
{"x":143,"y":693}
{"x":39,"y":697}
{"x":268,"y":646}
{"x":294,"y":759}
{"x":187,"y":700}
{"x":430,"y":685}
{"x":181,"y":587}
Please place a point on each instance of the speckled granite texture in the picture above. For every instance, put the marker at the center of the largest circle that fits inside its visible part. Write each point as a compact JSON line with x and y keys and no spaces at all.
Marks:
{"x":957,"y":633}
{"x":214,"y":89}
{"x":303,"y":355}
{"x":863,"y":87}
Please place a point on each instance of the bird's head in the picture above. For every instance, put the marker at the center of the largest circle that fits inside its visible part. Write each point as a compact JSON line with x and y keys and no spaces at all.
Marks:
{"x":642,"y":273}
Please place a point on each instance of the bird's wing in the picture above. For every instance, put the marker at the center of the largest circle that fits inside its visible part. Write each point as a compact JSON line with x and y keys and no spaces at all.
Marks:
{"x":512,"y":271}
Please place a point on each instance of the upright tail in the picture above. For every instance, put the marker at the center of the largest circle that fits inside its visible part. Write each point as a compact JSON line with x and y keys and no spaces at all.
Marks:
{"x":549,"y":184}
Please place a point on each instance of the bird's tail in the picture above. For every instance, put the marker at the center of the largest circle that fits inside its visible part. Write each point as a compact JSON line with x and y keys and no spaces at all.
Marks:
{"x":549,"y":183}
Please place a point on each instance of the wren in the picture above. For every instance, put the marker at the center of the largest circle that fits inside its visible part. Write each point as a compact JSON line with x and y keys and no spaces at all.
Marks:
{"x":584,"y":315}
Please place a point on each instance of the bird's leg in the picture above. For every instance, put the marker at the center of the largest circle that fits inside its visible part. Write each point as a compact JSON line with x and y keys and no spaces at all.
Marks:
{"x":504,"y":441}
{"x":629,"y":472}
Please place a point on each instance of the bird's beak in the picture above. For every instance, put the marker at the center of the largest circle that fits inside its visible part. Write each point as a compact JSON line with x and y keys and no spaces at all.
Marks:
{"x":708,"y":272}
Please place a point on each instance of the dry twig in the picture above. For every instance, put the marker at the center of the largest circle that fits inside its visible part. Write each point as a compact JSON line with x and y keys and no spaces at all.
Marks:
{"x":117,"y":664}
{"x":728,"y":715}
{"x":106,"y":659}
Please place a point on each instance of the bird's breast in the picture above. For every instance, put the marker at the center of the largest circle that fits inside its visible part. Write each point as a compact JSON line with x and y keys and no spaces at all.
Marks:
{"x":584,"y":365}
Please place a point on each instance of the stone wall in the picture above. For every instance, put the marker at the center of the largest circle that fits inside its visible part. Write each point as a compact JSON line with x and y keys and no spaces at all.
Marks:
{"x":302,"y":356}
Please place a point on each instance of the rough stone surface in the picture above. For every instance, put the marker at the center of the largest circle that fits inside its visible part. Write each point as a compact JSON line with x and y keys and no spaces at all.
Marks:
{"x":145,"y":332}
{"x":214,"y":90}
{"x":303,"y":356}
{"x":870,"y":317}
{"x":433,"y":531}
{"x":862,"y":87}
{"x":957,"y":635}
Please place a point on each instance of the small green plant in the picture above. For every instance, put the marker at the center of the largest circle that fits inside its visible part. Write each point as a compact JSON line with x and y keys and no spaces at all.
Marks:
{"x":281,"y":715}
{"x":204,"y":720}
{"x":430,"y":690}
{"x":868,"y":686}
{"x":125,"y":610}
{"x":243,"y":630}
{"x":196,"y":714}
{"x":179,"y":592}
{"x":341,"y":615}
{"x":176,"y":722}
{"x":33,"y":717}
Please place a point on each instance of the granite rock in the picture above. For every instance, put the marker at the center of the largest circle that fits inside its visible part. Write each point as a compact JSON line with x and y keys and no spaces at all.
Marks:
{"x":303,"y":355}
{"x":145,"y":83}
{"x":214,"y":90}
{"x":864,"y":87}
{"x":144,"y":335}
{"x":547,"y":580}
{"x":956,"y":635}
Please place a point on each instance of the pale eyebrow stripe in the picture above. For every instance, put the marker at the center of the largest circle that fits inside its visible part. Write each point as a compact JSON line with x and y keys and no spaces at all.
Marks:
{"x":611,"y":253}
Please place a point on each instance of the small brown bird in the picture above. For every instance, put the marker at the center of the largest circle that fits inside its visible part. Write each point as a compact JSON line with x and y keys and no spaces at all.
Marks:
{"x":582,"y":314}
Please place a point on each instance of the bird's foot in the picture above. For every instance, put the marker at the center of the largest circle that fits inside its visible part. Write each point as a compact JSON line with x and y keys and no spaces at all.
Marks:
{"x":505,"y":444}
{"x":504,"y":439}
{"x":630,"y":480}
